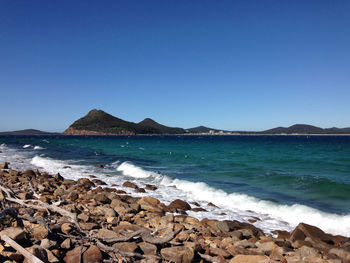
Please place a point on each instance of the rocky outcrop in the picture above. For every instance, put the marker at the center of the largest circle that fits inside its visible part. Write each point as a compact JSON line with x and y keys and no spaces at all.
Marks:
{"x":79,"y":221}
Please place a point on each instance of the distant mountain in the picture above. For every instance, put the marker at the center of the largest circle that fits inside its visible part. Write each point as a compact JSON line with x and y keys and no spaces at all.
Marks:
{"x":297,"y":128}
{"x":150,"y":126}
{"x":339,"y":130}
{"x":98,"y":122}
{"x":201,"y":129}
{"x":27,"y":132}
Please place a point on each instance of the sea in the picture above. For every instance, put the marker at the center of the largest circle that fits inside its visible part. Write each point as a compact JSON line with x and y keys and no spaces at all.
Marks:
{"x":279,"y":180}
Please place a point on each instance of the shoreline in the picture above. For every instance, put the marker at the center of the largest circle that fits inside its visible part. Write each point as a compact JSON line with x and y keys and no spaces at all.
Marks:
{"x":96,"y":205}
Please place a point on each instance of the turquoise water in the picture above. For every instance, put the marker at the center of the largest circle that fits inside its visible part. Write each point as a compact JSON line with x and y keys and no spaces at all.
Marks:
{"x":312,"y":171}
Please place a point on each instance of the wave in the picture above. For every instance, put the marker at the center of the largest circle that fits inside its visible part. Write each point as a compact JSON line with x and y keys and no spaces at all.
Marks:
{"x":131,"y":170}
{"x":26,"y":146}
{"x":236,"y":202}
{"x":38,"y":148}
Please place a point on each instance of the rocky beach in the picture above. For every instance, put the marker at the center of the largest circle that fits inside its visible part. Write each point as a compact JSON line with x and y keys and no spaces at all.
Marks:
{"x":45,"y":218}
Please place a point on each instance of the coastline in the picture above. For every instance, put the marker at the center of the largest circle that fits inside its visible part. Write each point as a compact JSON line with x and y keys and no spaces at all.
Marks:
{"x":106,"y":213}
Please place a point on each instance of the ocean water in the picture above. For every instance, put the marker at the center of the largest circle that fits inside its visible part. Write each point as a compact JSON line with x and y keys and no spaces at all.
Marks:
{"x":283,"y":180}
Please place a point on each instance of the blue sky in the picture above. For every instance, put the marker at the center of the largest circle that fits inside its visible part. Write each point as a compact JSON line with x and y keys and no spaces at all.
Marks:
{"x":240,"y":65}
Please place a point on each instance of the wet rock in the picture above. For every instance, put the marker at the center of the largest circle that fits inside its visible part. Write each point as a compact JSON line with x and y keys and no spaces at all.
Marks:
{"x":211,"y":204}
{"x":100,"y":166}
{"x":179,"y":204}
{"x":98,"y":182}
{"x":58,"y":177}
{"x":4,"y":165}
{"x":130,"y":185}
{"x":178,"y":254}
{"x":92,"y":255}
{"x":140,"y":190}
{"x":151,"y":187}
{"x":15,"y":233}
{"x":198,"y":209}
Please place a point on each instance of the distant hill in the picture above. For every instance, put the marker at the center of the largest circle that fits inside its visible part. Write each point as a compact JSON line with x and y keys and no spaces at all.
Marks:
{"x":98,"y":122}
{"x":201,"y":129}
{"x":150,"y":126}
{"x":305,"y":129}
{"x":27,"y":132}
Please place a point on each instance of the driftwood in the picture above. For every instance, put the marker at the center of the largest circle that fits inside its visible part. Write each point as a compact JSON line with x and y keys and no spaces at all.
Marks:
{"x":108,"y":249}
{"x":145,"y":235}
{"x":41,"y":205}
{"x":32,"y":189}
{"x":20,"y":249}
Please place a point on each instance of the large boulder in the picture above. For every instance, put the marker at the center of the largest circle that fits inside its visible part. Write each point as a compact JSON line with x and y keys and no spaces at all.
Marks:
{"x":4,"y":165}
{"x":179,"y":204}
{"x":303,"y":231}
{"x":178,"y":254}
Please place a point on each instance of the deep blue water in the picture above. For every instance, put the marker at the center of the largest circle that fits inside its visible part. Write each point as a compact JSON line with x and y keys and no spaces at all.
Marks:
{"x":308,"y":170}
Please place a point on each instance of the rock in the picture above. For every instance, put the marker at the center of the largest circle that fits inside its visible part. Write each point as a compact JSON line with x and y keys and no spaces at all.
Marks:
{"x":211,"y":204}
{"x":150,"y":204}
{"x":74,"y":256}
{"x":39,"y":232}
{"x":92,"y":255}
{"x":4,"y":165}
{"x":58,"y":177}
{"x":179,"y":204}
{"x":100,"y":166}
{"x":198,"y":209}
{"x":343,"y":254}
{"x":219,"y":252}
{"x":250,"y":259}
{"x":47,"y":243}
{"x":150,"y":187}
{"x":147,"y":248}
{"x":37,"y":251}
{"x":66,"y":228}
{"x":15,"y":233}
{"x":140,"y":190}
{"x":83,"y":217}
{"x":302,"y":231}
{"x":130,"y":185}
{"x":126,"y":246}
{"x":305,"y":252}
{"x":66,"y":244}
{"x":277,"y":254}
{"x":266,"y":247}
{"x":178,"y":254}
{"x":86,"y":183}
{"x":101,"y":197}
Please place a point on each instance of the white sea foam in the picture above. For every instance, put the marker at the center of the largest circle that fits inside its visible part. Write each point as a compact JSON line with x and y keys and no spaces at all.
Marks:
{"x":38,"y":148}
{"x":238,"y":203}
{"x":26,"y":146}
{"x":131,"y":170}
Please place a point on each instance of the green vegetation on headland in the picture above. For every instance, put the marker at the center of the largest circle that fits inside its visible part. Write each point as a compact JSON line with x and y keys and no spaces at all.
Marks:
{"x":98,"y":122}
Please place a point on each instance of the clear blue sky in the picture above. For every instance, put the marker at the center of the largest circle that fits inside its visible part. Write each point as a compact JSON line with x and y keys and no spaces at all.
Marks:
{"x":240,"y":65}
